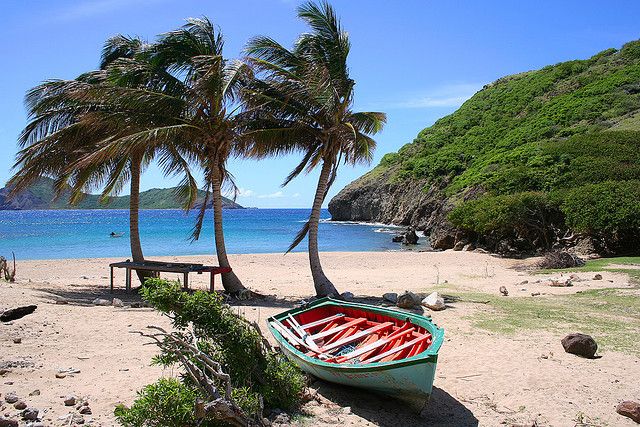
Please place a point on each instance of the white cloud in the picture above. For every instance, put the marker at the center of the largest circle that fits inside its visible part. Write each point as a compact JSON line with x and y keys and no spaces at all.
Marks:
{"x":452,"y":95}
{"x":244,"y":192}
{"x":276,"y":195}
{"x":296,"y":195}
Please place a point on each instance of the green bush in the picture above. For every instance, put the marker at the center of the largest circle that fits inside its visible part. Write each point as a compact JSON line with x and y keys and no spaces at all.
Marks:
{"x":503,"y":213}
{"x":608,"y":207}
{"x":165,"y":403}
{"x":230,"y":340}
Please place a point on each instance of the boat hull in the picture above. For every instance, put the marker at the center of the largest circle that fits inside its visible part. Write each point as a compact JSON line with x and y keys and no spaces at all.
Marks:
{"x":410,"y":379}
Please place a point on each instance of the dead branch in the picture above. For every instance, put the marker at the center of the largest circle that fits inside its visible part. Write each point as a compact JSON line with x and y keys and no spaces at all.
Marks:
{"x":206,"y":373}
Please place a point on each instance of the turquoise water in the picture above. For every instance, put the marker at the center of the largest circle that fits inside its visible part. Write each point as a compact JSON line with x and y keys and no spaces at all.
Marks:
{"x":85,"y":233}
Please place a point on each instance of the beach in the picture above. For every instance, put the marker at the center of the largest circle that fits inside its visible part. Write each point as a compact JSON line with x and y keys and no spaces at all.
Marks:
{"x":484,"y":376}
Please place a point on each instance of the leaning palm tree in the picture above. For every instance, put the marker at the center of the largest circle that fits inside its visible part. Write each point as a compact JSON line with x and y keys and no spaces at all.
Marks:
{"x":73,"y":122}
{"x":303,"y":101}
{"x":189,"y":103}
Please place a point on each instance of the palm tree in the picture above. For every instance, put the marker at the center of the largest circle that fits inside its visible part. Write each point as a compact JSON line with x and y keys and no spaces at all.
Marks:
{"x":74,"y":123}
{"x":303,"y":102}
{"x":188,"y":103}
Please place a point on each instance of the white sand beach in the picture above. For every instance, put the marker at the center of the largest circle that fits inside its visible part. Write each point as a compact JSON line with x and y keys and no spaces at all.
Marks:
{"x":483,"y":377}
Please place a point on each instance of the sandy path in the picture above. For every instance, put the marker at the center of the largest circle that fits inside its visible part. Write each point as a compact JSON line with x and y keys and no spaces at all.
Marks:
{"x":483,"y":378}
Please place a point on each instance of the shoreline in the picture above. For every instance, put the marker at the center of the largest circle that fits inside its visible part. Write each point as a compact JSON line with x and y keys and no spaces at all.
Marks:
{"x":524,"y":377}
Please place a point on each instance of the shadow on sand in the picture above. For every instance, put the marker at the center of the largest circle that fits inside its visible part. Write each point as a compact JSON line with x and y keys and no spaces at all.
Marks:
{"x":442,"y":410}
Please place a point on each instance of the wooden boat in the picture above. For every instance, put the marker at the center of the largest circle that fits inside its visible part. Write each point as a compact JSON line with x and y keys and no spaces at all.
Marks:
{"x":360,"y":345}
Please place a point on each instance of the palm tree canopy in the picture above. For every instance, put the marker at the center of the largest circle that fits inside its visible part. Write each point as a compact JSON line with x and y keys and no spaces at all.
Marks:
{"x":302,"y":99}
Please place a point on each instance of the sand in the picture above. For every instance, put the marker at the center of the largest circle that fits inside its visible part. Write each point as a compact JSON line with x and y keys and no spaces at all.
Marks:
{"x":483,"y":378}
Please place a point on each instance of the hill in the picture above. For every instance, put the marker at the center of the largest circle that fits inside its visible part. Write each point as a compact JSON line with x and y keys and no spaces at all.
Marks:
{"x":40,"y":196}
{"x":537,"y":160}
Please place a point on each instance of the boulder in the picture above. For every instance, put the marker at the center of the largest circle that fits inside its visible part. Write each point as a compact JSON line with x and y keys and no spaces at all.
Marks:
{"x":597,"y":277}
{"x":434,"y":302}
{"x":392,"y":297}
{"x":117,"y":302}
{"x":17,"y":313}
{"x":101,"y":301}
{"x":408,"y":300}
{"x":580,"y":344}
{"x":629,"y":409}
{"x":459,"y":246}
{"x":20,"y":405}
{"x":397,"y":238}
{"x":410,"y":237}
{"x":469,"y":247}
{"x":69,"y":400}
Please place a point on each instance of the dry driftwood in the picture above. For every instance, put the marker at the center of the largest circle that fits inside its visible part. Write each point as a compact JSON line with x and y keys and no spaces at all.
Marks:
{"x":9,"y":275}
{"x":202,"y":369}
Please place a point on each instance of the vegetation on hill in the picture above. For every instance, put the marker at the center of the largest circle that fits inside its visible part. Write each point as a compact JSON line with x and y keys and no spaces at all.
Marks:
{"x":41,"y":195}
{"x":538,"y":156}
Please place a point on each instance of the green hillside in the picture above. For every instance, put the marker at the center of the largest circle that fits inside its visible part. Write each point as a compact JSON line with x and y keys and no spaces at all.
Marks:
{"x":41,"y":194}
{"x":534,"y":156}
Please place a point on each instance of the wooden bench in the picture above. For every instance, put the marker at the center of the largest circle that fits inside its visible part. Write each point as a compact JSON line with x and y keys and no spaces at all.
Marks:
{"x":167,"y":267}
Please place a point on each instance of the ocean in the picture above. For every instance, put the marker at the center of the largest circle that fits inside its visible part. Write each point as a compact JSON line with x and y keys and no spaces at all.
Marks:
{"x":58,"y":234}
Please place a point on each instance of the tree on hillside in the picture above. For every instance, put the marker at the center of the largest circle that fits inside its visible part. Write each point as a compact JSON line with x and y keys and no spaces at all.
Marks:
{"x":303,"y":102}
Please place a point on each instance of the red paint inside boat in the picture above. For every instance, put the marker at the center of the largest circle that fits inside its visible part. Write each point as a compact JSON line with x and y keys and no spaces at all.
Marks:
{"x":349,"y":335}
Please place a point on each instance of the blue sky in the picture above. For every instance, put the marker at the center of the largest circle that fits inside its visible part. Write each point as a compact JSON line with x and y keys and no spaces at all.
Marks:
{"x":415,"y":60}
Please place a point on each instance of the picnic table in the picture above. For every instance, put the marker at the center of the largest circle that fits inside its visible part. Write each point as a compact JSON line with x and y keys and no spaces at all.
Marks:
{"x":167,"y":267}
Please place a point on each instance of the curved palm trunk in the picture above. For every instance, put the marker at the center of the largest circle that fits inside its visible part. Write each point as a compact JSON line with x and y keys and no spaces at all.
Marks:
{"x":322,"y":284}
{"x":134,"y":221}
{"x":230,"y":281}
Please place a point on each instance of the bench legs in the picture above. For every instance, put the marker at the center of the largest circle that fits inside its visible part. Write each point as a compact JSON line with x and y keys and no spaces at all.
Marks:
{"x":111,"y":289}
{"x":186,"y":281}
{"x":128,"y":280}
{"x":211,"y":278}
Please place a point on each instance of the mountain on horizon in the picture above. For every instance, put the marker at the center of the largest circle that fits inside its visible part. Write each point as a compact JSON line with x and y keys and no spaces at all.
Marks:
{"x":40,"y":196}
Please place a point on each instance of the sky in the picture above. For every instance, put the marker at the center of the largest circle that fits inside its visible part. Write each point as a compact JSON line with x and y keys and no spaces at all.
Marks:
{"x":415,"y":60}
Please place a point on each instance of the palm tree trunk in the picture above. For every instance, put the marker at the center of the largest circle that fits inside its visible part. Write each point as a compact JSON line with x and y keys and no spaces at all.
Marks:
{"x":134,"y":210}
{"x":230,"y":281}
{"x":322,"y":284}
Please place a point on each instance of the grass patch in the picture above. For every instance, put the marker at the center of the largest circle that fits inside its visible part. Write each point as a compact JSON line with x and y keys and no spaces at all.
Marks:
{"x":614,"y":265}
{"x":611,"y":316}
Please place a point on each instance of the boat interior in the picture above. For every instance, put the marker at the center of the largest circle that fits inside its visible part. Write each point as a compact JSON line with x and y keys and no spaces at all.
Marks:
{"x":337,"y":334}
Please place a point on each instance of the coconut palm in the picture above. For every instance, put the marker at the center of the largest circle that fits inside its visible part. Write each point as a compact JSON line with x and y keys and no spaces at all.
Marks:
{"x":303,"y":101}
{"x":189,"y":103}
{"x":73,"y":123}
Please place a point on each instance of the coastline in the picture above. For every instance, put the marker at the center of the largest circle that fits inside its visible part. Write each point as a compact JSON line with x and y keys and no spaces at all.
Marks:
{"x":483,"y":376}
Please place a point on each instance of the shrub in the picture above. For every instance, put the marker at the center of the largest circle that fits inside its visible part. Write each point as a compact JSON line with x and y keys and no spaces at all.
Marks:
{"x":255,"y":370}
{"x":502,"y":213}
{"x":560,"y":259}
{"x":607,"y":207}
{"x":165,"y":403}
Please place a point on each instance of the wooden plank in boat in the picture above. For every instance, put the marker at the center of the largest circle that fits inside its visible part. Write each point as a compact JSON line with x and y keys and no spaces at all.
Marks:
{"x":397,"y":349}
{"x":338,"y":328}
{"x":357,"y":336}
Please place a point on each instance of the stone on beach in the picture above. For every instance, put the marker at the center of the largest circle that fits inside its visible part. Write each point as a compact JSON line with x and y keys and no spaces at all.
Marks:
{"x":434,"y":302}
{"x":30,"y":414}
{"x":118,"y":302}
{"x":597,"y":277}
{"x":11,"y":398}
{"x":392,"y":297}
{"x":580,"y":345}
{"x":8,"y":422}
{"x":20,"y":405}
{"x":629,"y":409}
{"x":70,"y":400}
{"x":408,"y":300}
{"x":559,"y":283}
{"x":101,"y":301}
{"x":503,"y":290}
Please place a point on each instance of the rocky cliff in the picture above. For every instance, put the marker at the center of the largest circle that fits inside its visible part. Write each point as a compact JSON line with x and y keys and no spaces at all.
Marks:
{"x":522,"y":165}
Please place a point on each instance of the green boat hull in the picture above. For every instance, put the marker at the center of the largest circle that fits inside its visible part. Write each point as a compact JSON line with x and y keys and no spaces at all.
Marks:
{"x":410,"y":379}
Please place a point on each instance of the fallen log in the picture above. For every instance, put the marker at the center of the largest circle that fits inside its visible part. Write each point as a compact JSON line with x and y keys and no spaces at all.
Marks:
{"x":17,"y":313}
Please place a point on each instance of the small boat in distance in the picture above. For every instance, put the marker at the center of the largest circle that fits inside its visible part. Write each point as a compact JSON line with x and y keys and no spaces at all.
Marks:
{"x":114,"y":234}
{"x":361,"y":345}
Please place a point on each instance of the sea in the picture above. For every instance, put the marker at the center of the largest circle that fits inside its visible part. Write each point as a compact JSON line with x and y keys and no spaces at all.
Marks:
{"x":59,"y":234}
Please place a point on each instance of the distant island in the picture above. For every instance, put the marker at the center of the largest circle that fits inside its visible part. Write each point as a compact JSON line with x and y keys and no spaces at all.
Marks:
{"x":40,"y":197}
